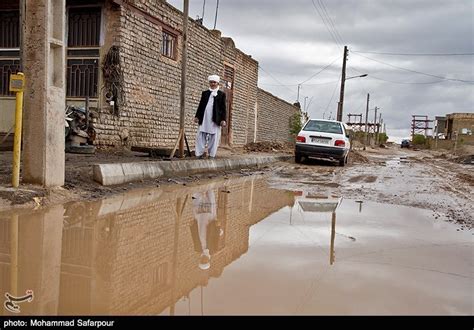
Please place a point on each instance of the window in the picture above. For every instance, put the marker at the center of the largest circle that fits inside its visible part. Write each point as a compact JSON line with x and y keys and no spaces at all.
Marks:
{"x":168,"y":45}
{"x":82,"y":71}
{"x":9,"y":48}
{"x":323,"y":127}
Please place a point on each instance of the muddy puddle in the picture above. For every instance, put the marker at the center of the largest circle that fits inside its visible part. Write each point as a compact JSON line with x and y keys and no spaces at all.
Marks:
{"x":233,"y":247}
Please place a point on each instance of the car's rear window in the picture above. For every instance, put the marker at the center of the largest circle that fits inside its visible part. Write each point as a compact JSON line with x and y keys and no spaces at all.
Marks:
{"x":323,"y":127}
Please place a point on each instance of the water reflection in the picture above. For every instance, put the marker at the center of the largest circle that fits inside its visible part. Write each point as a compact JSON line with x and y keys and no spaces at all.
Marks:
{"x":138,"y":253}
{"x":207,"y":232}
{"x":321,"y":204}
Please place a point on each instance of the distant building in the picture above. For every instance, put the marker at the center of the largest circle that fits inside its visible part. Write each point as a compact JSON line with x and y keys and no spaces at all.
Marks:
{"x":459,"y":124}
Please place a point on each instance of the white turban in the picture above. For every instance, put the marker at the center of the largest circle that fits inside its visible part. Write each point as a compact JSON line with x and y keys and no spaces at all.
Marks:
{"x":205,"y":266}
{"x":214,"y":78}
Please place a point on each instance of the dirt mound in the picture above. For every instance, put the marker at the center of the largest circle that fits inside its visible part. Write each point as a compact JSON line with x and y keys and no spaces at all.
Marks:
{"x":356,"y":157}
{"x":268,"y":147}
{"x":466,"y":159}
{"x":466,"y":178}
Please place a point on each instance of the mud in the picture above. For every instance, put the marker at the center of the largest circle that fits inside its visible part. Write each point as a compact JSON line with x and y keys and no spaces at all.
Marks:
{"x":393,"y":176}
{"x":389,"y":175}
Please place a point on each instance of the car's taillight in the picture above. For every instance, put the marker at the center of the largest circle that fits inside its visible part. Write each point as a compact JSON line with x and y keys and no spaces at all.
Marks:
{"x":301,"y":139}
{"x":340,"y":143}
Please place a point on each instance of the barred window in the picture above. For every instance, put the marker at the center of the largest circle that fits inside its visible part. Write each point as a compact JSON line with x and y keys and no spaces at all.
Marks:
{"x":9,"y":48}
{"x":82,"y":71}
{"x":168,"y":45}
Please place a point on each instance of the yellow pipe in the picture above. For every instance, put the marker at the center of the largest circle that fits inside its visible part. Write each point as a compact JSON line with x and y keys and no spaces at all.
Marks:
{"x":17,"y":139}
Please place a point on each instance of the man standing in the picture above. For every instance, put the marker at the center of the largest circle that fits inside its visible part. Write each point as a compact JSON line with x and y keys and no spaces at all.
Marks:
{"x":211,"y":116}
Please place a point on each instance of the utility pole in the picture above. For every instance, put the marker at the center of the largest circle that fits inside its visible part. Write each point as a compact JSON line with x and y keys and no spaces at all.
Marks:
{"x":340,"y":107}
{"x":378,"y":128}
{"x":381,"y":127}
{"x":215,"y":19}
{"x":377,"y":139}
{"x":375,"y":126}
{"x":367,"y":120}
{"x":183,"y":79}
{"x":298,"y":96}
{"x":203,"y":10}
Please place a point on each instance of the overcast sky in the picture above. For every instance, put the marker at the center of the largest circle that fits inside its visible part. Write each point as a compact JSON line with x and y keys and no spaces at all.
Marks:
{"x":294,"y":40}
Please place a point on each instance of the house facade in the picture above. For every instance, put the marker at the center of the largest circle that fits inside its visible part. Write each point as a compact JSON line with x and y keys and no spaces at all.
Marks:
{"x":125,"y":58}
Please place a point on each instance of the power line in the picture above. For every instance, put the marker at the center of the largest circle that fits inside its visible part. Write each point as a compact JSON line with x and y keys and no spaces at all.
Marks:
{"x":314,"y":75}
{"x":371,"y":75}
{"x":331,"y":22}
{"x":326,"y":25}
{"x":408,"y":83}
{"x":334,"y":92}
{"x":416,"y":54}
{"x":271,"y":76}
{"x":295,"y":85}
{"x":413,"y":71}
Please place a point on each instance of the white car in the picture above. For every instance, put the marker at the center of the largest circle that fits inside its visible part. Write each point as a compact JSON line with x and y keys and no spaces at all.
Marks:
{"x":323,"y":139}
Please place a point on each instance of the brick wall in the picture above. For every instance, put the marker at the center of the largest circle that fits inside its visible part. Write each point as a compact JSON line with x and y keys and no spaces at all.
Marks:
{"x":152,"y":81}
{"x":245,"y":92}
{"x":273,"y":118}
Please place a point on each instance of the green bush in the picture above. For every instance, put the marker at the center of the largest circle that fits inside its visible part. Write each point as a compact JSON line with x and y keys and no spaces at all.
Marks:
{"x":383,"y":138}
{"x":295,"y":124}
{"x":419,"y":139}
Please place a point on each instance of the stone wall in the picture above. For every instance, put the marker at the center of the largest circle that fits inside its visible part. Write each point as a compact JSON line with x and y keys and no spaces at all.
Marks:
{"x":273,"y":118}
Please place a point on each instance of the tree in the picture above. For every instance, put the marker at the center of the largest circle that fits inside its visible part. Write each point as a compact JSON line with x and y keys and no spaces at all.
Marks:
{"x":295,"y":124}
{"x":419,"y":139}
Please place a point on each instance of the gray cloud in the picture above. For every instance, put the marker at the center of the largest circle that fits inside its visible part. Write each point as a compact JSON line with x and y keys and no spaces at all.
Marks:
{"x":291,"y":43}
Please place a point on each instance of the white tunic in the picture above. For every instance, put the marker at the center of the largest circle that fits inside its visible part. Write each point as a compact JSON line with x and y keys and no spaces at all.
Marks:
{"x":205,"y":212}
{"x":208,"y":126}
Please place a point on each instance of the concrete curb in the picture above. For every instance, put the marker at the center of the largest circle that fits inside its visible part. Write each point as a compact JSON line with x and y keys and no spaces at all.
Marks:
{"x":114,"y":174}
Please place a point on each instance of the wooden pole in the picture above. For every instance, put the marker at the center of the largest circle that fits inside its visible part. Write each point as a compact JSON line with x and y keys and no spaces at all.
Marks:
{"x":183,"y":77}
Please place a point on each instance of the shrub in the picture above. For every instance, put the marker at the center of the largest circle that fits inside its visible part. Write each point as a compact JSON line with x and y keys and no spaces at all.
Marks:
{"x":419,"y":139}
{"x":295,"y":124}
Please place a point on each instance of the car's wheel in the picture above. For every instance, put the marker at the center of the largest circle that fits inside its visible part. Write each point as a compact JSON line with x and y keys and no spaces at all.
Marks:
{"x":347,"y":159}
{"x":342,"y":161}
{"x":297,"y":158}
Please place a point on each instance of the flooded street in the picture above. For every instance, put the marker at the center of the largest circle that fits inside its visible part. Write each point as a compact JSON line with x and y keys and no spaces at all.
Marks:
{"x":310,"y":239}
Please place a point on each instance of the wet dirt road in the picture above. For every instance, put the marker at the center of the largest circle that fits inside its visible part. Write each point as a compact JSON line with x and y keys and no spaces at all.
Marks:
{"x":279,"y":243}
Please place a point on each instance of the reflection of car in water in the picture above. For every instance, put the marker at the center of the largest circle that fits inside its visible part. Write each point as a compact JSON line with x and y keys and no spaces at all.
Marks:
{"x":317,"y":204}
{"x":405,"y":144}
{"x":311,"y":203}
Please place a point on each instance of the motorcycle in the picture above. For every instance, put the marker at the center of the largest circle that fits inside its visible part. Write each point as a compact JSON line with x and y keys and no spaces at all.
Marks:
{"x":79,"y":131}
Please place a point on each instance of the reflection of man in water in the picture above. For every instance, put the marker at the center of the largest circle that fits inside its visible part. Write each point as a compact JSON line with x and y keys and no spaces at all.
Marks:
{"x":205,"y":229}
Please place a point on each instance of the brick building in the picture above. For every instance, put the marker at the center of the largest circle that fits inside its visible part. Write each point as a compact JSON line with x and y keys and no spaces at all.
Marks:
{"x":129,"y":52}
